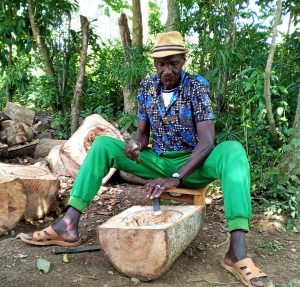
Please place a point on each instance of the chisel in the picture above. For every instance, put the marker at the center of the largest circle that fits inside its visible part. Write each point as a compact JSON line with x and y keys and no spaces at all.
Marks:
{"x":156,"y":207}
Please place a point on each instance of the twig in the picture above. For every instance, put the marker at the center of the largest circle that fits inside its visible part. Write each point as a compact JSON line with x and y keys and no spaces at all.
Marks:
{"x":226,"y":241}
{"x":87,"y":276}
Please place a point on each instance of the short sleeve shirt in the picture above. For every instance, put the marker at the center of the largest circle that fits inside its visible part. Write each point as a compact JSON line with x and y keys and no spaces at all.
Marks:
{"x":174,"y":127}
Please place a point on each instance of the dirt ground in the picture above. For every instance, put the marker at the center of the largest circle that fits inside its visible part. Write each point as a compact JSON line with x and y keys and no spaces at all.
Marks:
{"x":273,"y":248}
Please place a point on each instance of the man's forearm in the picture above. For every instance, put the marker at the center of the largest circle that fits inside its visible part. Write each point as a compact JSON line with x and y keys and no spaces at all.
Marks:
{"x":197,"y":158}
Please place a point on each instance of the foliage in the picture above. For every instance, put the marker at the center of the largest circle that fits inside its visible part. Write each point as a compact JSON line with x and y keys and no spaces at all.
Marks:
{"x":227,"y":40}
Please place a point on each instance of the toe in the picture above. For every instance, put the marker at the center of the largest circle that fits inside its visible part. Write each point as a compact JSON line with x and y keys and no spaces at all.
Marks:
{"x":260,"y":281}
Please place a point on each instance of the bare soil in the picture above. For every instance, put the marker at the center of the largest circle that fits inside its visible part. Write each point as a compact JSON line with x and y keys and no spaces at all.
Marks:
{"x":272,"y":248}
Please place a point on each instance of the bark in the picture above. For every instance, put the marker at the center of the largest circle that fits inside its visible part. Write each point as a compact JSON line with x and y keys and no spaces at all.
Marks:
{"x":137,"y":24}
{"x":75,"y":109}
{"x":125,"y":34}
{"x":9,"y":88}
{"x":43,"y":49}
{"x":173,"y":19}
{"x":267,"y":91}
{"x":65,"y":73}
{"x":129,"y":105}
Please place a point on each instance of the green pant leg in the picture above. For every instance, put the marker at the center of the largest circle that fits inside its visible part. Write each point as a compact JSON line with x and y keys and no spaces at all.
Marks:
{"x":107,"y":152}
{"x":228,"y":162}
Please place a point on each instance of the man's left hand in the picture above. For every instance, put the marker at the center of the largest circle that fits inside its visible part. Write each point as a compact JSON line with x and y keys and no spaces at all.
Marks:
{"x":156,"y":187}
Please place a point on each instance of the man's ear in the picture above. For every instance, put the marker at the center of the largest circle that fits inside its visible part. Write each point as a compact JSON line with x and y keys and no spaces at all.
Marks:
{"x":184,"y":57}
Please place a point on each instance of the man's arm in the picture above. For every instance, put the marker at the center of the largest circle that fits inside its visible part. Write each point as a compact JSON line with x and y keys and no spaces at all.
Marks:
{"x":143,"y":133}
{"x":132,"y":150}
{"x":206,"y":136}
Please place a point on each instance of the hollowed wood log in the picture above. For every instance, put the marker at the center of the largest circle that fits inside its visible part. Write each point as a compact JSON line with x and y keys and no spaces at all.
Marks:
{"x":145,"y":251}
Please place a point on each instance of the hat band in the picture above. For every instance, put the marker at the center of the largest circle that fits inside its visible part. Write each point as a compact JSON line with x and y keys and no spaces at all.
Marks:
{"x":167,"y":49}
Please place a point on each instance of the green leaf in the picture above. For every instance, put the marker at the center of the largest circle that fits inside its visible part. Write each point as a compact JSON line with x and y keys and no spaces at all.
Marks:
{"x":43,"y":265}
{"x":287,"y":147}
{"x":65,"y":258}
{"x":296,"y":142}
{"x":274,"y":171}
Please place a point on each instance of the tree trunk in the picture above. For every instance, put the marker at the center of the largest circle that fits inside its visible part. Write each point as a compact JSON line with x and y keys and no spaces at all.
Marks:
{"x":297,"y":115}
{"x":43,"y":49}
{"x":173,"y":19}
{"x":137,"y":24}
{"x":9,"y":88}
{"x":75,"y":109}
{"x":267,"y":91}
{"x":124,"y":34}
{"x":126,"y":44}
{"x":65,"y":72}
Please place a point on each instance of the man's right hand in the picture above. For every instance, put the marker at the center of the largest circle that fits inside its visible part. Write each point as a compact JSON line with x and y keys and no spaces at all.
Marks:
{"x":132,"y":150}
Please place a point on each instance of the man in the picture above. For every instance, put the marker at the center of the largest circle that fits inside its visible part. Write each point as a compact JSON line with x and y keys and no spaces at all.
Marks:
{"x":176,"y":107}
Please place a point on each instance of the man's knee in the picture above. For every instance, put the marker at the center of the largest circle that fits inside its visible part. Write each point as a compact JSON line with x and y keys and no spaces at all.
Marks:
{"x":233,"y":150}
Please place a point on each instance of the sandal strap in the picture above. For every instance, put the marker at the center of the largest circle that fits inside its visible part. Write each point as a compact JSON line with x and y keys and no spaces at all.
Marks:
{"x":45,"y":234}
{"x":248,"y":270}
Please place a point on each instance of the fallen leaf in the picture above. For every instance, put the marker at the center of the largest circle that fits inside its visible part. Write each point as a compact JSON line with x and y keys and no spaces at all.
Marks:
{"x":65,"y":258}
{"x":43,"y":265}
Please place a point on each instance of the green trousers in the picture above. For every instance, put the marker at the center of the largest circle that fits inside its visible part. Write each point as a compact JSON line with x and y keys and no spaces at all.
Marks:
{"x":227,"y":162}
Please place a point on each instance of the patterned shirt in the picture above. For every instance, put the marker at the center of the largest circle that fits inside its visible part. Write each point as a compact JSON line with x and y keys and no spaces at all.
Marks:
{"x":174,"y":127}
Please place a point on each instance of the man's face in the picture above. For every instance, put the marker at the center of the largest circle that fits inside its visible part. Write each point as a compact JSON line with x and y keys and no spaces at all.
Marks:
{"x":169,"y":69}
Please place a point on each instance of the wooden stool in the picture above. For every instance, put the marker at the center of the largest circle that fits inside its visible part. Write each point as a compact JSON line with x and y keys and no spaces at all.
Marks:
{"x":194,"y":196}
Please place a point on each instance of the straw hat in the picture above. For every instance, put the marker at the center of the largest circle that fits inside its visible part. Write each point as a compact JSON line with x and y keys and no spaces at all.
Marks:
{"x":168,"y":44}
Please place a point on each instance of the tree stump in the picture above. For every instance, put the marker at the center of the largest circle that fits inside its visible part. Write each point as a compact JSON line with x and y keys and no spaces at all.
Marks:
{"x":12,"y":202}
{"x":39,"y":184}
{"x":142,"y":245}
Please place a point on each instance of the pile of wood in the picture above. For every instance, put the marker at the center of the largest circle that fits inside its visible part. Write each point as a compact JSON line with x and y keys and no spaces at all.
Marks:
{"x":29,"y":191}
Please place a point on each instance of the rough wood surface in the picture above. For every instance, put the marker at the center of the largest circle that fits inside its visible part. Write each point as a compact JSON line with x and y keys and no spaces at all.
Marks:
{"x":17,"y":133}
{"x":6,"y":123}
{"x":40,"y":186}
{"x":12,"y":202}
{"x":75,"y":149}
{"x":45,"y":145}
{"x":146,"y":252}
{"x":56,"y":164}
{"x":20,"y":150}
{"x":19,"y":114}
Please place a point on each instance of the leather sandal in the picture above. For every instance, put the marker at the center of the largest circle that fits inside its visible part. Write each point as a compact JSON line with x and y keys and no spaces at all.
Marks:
{"x":47,"y":237}
{"x":245,"y":270}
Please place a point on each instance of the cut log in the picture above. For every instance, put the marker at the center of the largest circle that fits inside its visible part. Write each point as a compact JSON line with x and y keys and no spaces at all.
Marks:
{"x":20,"y":150}
{"x":3,"y":116}
{"x":128,"y":177}
{"x":3,"y":149}
{"x":6,"y":124}
{"x":55,"y":163}
{"x":40,"y":186}
{"x":144,"y":246}
{"x":75,"y":149}
{"x":45,"y":145}
{"x":19,"y":114}
{"x":12,"y":202}
{"x":17,"y":133}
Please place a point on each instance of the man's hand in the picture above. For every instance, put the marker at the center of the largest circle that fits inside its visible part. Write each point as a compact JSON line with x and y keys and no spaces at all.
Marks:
{"x":132,"y":150}
{"x":156,"y":187}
